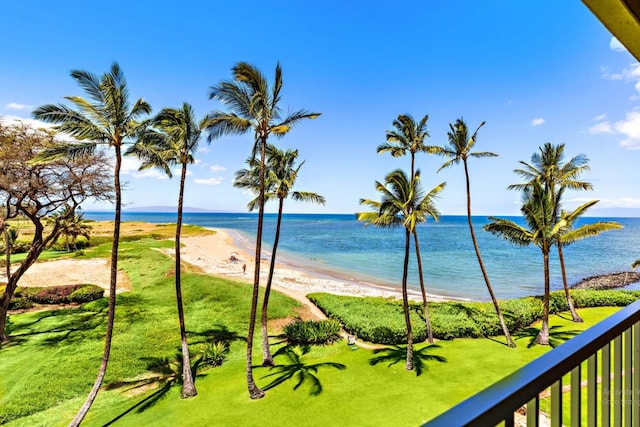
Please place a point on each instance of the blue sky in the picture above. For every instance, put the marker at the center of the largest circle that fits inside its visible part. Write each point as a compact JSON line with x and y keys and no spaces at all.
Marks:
{"x":535,"y":71}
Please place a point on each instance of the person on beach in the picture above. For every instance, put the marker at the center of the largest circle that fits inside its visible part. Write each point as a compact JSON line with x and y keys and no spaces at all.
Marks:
{"x":244,"y":268}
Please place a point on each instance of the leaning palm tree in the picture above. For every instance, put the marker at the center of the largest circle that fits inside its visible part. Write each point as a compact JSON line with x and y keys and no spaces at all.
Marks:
{"x":458,"y":150}
{"x":410,"y":136}
{"x":174,"y":142}
{"x":253,"y":106}
{"x":403,"y":203}
{"x":281,"y":177}
{"x":106,"y":118}
{"x":548,"y":168}
{"x":635,"y":264}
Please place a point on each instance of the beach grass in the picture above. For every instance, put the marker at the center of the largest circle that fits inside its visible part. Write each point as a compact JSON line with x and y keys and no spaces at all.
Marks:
{"x":47,"y":370}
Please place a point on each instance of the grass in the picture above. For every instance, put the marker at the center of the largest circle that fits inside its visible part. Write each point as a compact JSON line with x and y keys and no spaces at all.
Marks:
{"x":48,"y":369}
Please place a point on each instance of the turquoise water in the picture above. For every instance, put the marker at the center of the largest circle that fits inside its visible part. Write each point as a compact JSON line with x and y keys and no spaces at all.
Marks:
{"x":337,"y":245}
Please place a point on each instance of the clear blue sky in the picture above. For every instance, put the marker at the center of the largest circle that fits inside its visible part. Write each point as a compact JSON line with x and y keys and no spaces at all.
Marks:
{"x":535,"y":71}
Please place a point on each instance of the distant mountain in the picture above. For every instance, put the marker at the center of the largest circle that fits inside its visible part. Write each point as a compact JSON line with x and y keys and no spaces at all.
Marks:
{"x":166,"y":209}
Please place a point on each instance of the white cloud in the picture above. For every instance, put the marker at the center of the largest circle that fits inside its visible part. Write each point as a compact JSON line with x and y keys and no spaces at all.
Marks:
{"x":130,"y":166}
{"x":209,"y":181}
{"x":601,"y":127}
{"x":629,"y":74}
{"x":217,"y":168}
{"x":621,"y":202}
{"x":537,"y":122}
{"x":17,"y":106}
{"x":630,"y":128}
{"x":614,"y":44}
{"x":600,"y":117}
{"x":14,"y":120}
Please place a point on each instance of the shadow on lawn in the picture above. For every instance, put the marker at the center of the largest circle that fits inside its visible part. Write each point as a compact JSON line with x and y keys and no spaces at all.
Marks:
{"x":70,"y":322}
{"x":397,"y":353}
{"x":556,"y":335}
{"x":219,"y":333}
{"x":164,"y":373}
{"x":295,"y":368}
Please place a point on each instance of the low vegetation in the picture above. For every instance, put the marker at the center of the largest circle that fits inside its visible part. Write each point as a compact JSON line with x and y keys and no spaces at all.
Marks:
{"x":312,"y":332}
{"x":379,"y":320}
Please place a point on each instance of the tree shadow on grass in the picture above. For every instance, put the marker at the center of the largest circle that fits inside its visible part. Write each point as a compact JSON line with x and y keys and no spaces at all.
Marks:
{"x":218,"y":333}
{"x":397,"y":353}
{"x":66,"y":330}
{"x":556,"y":335}
{"x":295,"y":368}
{"x":164,"y":373}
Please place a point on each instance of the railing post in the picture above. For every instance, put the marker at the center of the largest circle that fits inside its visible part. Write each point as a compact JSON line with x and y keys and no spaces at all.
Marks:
{"x":628,"y":376}
{"x":635,"y":397}
{"x":617,"y":381}
{"x":605,"y":377}
{"x":576,"y":397}
{"x":592,"y":390}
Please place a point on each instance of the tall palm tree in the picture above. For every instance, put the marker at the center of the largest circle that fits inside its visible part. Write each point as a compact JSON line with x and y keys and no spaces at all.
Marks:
{"x":253,"y":105}
{"x":410,"y":136}
{"x":280,"y":180}
{"x":173,"y":142}
{"x":547,"y":167}
{"x":105,"y":118}
{"x":72,"y":226}
{"x":545,"y":231}
{"x":458,"y":150}
{"x":403,"y":203}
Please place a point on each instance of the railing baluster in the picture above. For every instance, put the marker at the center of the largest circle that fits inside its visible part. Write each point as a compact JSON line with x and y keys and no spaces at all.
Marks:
{"x":628,"y":375}
{"x":575,"y":396}
{"x":592,"y":390}
{"x":605,"y":377}
{"x":533,"y":411}
{"x":635,"y":386}
{"x":556,"y":403}
{"x":617,"y":381}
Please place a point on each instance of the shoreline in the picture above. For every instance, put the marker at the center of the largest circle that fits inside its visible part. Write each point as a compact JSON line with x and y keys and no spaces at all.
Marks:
{"x":213,"y":253}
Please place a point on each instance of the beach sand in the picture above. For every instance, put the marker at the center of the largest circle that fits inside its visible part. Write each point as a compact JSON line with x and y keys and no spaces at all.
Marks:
{"x":213,"y":255}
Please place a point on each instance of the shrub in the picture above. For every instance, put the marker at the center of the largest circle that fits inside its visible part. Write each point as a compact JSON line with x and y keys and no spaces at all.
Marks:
{"x":312,"y":332}
{"x":19,"y":303}
{"x":214,"y":353}
{"x":86,"y":293}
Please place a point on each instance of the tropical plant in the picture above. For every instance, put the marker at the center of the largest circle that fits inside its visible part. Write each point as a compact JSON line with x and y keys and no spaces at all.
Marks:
{"x":72,"y":227}
{"x":403,"y":203}
{"x":172,"y":140}
{"x":107,"y":118}
{"x":547,"y":167}
{"x":34,"y":191}
{"x":635,"y":264}
{"x":458,"y":150}
{"x":409,"y":136}
{"x":253,"y":106}
{"x":281,"y":175}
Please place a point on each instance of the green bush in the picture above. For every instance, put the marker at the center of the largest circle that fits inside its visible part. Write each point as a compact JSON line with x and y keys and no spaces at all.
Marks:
{"x":312,"y":332}
{"x":381,"y":320}
{"x":215,"y":353}
{"x":19,"y":303}
{"x":86,"y":293}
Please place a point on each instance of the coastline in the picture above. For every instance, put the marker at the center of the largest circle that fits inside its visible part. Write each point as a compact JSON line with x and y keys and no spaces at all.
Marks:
{"x":212,"y":254}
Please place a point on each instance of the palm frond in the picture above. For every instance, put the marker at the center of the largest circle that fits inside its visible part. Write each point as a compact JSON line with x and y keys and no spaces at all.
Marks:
{"x":65,"y":151}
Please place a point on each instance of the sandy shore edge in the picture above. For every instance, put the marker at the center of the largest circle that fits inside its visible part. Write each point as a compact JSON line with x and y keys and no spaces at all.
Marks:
{"x":212,"y":254}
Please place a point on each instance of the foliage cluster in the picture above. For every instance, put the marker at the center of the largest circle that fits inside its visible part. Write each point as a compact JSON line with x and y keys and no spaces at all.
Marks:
{"x":59,"y":294}
{"x":313,"y":332}
{"x":214,"y":353}
{"x":380,"y":320}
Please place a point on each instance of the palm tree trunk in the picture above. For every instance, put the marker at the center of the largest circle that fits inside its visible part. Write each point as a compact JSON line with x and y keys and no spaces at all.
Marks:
{"x":188,"y":386}
{"x":543,"y":335}
{"x":422,"y":288}
{"x":254,"y":391}
{"x":574,"y":315}
{"x":112,"y":293}
{"x":405,"y":302}
{"x":267,"y":359}
{"x":503,"y":324}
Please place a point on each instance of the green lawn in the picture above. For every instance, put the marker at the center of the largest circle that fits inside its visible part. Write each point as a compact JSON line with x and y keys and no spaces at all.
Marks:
{"x":47,"y":371}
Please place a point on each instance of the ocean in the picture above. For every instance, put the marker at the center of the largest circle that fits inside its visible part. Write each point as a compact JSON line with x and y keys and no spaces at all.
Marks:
{"x":336,"y":245}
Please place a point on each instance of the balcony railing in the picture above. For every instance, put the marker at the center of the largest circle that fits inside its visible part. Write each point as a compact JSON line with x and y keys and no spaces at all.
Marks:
{"x":594,"y":379}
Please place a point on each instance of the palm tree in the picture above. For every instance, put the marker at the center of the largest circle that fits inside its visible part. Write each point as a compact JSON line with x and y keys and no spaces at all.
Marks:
{"x":106,"y":118}
{"x":459,"y":150}
{"x":409,"y":136}
{"x":72,"y":225}
{"x":635,"y":264}
{"x":174,"y":142}
{"x":545,"y":230}
{"x":253,"y":106}
{"x":547,"y":167}
{"x":403,"y":203}
{"x":281,"y":177}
